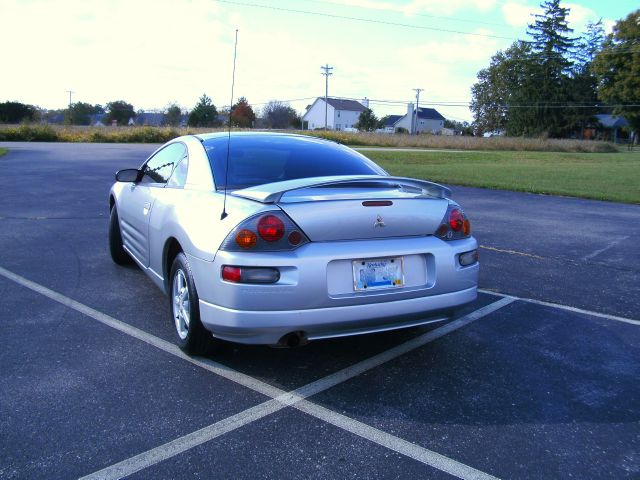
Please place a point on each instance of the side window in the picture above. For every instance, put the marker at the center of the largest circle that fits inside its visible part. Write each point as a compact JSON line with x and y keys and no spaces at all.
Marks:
{"x":179,"y":176}
{"x":158,"y":168}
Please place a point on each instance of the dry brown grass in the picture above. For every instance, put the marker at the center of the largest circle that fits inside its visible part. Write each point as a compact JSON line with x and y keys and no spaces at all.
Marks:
{"x":57,"y":133}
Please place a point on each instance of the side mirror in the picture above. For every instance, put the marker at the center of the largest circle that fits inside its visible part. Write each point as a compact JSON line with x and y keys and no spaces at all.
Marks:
{"x":128,"y":175}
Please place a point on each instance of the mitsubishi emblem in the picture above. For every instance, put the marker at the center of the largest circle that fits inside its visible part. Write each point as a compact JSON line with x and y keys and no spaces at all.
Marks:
{"x":379,"y":222}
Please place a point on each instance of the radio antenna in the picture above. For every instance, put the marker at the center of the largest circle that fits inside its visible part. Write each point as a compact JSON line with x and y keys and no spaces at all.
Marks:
{"x":226,"y":168}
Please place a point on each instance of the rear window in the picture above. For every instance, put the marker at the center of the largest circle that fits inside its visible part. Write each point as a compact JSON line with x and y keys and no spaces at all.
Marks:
{"x":256,"y":160}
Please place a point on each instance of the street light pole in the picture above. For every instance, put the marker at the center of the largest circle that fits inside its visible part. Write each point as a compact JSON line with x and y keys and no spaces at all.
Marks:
{"x":327,"y":71}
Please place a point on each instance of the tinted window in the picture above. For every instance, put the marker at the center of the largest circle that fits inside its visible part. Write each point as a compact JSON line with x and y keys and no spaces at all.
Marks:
{"x":259,"y":159}
{"x":159,"y":167}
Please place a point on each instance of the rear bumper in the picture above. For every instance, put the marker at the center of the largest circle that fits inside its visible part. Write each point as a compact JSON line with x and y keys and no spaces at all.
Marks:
{"x":267,"y":327}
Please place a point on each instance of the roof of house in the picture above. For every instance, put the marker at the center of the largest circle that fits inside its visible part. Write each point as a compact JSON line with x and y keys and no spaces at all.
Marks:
{"x":429,"y":114}
{"x":340,"y":104}
{"x":611,"y":121}
{"x":392,"y":119}
{"x":150,"y":118}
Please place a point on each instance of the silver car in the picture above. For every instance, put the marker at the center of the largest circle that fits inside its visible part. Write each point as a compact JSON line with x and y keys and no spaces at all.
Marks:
{"x":280,"y":239}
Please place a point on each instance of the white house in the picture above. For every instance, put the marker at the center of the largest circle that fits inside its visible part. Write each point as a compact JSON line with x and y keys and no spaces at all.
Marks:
{"x":341,"y":114}
{"x":429,"y":120}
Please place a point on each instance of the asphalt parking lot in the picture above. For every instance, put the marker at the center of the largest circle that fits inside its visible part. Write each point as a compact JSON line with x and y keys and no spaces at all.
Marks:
{"x":537,"y":379}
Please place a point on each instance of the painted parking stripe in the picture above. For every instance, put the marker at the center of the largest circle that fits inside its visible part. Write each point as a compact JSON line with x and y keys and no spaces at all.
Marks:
{"x":296,"y":398}
{"x":398,"y":445}
{"x":560,"y":306}
{"x":280,"y":398}
{"x":217,"y":368}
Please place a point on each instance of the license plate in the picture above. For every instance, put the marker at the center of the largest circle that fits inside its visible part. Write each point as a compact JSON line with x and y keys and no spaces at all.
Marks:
{"x":378,"y":273}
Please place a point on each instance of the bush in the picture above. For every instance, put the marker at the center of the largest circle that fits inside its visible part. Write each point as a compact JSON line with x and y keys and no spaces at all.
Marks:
{"x":29,"y":133}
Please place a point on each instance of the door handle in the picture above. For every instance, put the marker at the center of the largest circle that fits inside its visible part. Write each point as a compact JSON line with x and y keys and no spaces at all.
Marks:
{"x":146,"y":208}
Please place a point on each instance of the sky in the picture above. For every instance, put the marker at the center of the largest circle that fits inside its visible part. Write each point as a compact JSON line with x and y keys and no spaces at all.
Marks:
{"x":155,"y":52}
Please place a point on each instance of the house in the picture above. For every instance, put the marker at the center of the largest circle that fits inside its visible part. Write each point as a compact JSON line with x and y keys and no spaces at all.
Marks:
{"x":390,"y":123}
{"x":429,"y":120}
{"x":608,"y":127}
{"x":97,"y":119}
{"x":340,"y":113}
{"x":152,"y":119}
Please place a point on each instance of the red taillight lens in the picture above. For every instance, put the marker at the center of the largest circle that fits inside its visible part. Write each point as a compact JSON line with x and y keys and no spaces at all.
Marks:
{"x":456,"y":220}
{"x":246,"y":239}
{"x":231,"y":274}
{"x":270,"y":228}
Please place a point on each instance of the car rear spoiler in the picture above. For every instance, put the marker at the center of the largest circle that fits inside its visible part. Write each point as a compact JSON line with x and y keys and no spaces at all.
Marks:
{"x":272,"y":192}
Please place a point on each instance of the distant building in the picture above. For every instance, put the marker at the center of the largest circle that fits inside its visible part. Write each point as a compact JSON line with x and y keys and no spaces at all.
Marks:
{"x":390,"y":123}
{"x":609,"y":127}
{"x":429,"y":120}
{"x":151,"y":119}
{"x":341,"y":113}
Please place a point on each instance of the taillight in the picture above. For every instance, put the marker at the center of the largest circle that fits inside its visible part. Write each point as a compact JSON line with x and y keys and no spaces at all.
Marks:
{"x":455,"y":224}
{"x":246,"y":239}
{"x":267,"y":231}
{"x":270,"y":228}
{"x":455,"y":219}
{"x":261,"y":275}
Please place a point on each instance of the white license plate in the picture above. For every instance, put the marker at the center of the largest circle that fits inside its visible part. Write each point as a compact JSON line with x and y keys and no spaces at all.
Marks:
{"x":378,"y":273}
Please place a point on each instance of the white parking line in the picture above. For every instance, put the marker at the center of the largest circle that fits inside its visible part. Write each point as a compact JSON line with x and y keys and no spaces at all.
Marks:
{"x":560,"y":306}
{"x":609,"y":246}
{"x":280,"y":398}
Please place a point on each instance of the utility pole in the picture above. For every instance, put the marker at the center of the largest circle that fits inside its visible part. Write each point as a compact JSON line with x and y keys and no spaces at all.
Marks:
{"x":327,"y":71}
{"x":417,"y":90}
{"x":70,"y":92}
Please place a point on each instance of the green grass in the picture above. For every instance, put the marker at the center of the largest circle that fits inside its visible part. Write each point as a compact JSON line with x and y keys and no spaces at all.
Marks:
{"x":601,"y":176}
{"x":3,"y":151}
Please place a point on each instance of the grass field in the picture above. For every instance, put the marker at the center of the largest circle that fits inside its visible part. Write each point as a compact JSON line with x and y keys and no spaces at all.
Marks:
{"x":3,"y":151}
{"x":601,"y":176}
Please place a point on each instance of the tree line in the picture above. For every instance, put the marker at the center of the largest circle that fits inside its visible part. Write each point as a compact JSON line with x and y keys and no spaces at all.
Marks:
{"x":275,"y":114}
{"x":554,"y":83}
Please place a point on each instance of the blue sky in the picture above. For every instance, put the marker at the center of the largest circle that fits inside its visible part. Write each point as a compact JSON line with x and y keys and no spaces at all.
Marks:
{"x":151,"y":53}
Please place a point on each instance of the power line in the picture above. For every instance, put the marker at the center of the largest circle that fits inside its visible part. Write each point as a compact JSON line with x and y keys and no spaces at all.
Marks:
{"x":397,"y":11}
{"x":359,"y":19}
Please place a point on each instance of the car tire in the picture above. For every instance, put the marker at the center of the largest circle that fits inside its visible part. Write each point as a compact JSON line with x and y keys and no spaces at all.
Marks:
{"x":191,"y":336}
{"x":117,"y":251}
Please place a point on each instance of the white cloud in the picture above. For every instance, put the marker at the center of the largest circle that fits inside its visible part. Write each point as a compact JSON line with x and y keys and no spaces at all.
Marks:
{"x":518,"y":14}
{"x":579,"y":16}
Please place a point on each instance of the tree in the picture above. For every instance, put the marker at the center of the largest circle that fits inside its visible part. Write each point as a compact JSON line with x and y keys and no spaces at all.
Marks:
{"x":80,"y":113}
{"x":120,"y":111}
{"x":204,"y":114}
{"x":503,"y":83}
{"x":173,"y":115}
{"x":527,"y":89}
{"x":463,"y":127}
{"x":617,"y":68}
{"x":382,"y":121}
{"x":242,"y":114}
{"x":367,"y":121}
{"x":551,"y":49}
{"x":280,"y":115}
{"x":583,"y":83}
{"x":16,"y":112}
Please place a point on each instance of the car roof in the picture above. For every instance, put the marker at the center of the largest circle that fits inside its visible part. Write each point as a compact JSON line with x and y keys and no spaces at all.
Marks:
{"x":214,"y":135}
